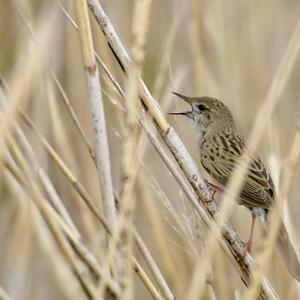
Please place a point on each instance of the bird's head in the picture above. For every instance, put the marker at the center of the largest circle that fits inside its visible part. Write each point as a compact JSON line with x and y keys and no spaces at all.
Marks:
{"x":207,"y":114}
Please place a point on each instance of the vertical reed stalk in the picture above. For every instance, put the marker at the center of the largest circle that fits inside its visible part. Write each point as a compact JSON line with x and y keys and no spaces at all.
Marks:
{"x":97,"y":111}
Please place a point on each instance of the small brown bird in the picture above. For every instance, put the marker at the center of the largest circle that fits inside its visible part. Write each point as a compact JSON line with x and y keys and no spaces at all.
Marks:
{"x":220,"y":147}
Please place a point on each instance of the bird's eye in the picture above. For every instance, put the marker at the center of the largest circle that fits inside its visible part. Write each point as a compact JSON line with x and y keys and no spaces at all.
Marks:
{"x":201,"y":107}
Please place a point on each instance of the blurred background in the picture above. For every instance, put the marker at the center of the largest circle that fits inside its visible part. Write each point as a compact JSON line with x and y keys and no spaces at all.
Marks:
{"x":228,"y":50}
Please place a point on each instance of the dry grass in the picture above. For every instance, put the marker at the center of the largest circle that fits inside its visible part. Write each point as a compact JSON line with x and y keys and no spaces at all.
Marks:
{"x":59,"y":235}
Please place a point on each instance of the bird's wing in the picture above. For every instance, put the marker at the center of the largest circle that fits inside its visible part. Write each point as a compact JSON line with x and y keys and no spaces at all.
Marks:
{"x":257,"y":188}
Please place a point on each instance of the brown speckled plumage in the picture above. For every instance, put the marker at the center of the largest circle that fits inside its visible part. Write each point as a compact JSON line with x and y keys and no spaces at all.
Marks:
{"x":221,"y":147}
{"x":219,"y":154}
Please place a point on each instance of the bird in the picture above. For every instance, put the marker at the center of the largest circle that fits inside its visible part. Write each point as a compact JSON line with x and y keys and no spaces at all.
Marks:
{"x":221,"y":146}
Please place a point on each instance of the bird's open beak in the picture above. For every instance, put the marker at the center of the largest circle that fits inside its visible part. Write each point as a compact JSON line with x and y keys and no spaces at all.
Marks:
{"x":189,"y":113}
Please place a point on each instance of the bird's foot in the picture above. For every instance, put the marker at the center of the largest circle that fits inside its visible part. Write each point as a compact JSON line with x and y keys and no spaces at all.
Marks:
{"x":213,"y":189}
{"x":247,"y":247}
{"x":248,"y":244}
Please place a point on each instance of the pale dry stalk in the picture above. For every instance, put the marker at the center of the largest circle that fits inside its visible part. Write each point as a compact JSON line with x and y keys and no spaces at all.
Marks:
{"x":54,"y":198}
{"x":53,"y":220}
{"x":65,"y":98}
{"x":87,"y":199}
{"x":73,"y":115}
{"x":97,"y":111}
{"x":25,"y":72}
{"x":69,"y":228}
{"x":62,"y":273}
{"x":123,"y":235}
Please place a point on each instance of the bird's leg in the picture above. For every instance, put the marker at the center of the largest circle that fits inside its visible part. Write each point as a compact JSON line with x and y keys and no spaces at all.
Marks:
{"x":248,"y":244}
{"x":212,"y":189}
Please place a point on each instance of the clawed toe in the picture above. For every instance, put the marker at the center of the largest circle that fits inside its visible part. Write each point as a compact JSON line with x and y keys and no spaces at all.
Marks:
{"x":248,"y":247}
{"x":212,"y":189}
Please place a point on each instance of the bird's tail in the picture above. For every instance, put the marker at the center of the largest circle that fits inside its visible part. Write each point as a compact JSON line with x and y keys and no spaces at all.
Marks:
{"x":286,"y":248}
